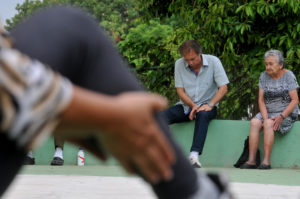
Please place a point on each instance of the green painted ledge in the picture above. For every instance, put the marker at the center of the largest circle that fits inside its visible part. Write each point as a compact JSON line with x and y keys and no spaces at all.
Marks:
{"x":225,"y":142}
{"x":223,"y":146}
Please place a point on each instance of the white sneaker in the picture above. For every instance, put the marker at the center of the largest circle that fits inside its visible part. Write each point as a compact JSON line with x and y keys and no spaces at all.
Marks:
{"x":195,"y":162}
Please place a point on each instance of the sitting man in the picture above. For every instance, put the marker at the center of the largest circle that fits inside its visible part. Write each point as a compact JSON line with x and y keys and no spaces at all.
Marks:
{"x":200,"y":82}
{"x":96,"y":100}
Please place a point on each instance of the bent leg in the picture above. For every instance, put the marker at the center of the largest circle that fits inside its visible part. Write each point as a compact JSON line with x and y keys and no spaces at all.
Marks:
{"x":58,"y":142}
{"x":175,"y":114}
{"x":268,"y":141}
{"x":201,"y":125}
{"x":74,"y":45}
{"x":255,"y":127}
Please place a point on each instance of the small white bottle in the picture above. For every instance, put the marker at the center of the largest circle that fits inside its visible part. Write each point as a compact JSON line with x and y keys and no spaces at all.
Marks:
{"x":80,"y":157}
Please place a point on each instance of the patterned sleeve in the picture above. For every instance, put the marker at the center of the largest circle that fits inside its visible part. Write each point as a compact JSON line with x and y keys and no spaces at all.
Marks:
{"x":292,"y":81}
{"x":32,"y":97}
{"x":261,"y":80}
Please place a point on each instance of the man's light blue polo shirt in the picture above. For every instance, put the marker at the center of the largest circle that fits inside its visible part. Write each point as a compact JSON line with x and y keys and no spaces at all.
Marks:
{"x":200,"y":88}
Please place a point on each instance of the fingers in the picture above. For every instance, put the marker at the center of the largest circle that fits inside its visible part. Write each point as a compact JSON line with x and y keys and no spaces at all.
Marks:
{"x":154,"y":155}
{"x":163,"y":144}
{"x":276,"y":126}
{"x":153,"y":166}
{"x":126,"y":165}
{"x":277,"y":122}
{"x":192,"y":113}
{"x":204,"y":107}
{"x":157,"y":102}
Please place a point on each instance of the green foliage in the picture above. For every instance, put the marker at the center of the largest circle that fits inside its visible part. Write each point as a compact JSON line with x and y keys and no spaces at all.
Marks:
{"x":116,"y":17}
{"x":145,"y":48}
{"x":136,"y":45}
{"x":238,"y":32}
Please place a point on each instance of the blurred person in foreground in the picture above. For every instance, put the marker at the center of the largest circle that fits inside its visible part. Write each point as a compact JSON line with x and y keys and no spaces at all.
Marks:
{"x":98,"y":93}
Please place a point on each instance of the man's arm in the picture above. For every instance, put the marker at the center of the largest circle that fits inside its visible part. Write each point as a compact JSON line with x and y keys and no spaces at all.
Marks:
{"x":188,"y":101}
{"x":185,"y":98}
{"x":222,"y":90}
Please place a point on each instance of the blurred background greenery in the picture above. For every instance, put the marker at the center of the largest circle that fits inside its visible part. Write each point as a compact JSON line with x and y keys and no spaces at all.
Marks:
{"x":148,"y":33}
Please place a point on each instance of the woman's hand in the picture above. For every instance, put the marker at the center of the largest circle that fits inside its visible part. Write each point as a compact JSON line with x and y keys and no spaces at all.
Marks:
{"x":277,"y":122}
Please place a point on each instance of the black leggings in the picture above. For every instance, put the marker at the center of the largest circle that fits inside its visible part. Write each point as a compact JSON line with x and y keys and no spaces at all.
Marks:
{"x":73,"y":44}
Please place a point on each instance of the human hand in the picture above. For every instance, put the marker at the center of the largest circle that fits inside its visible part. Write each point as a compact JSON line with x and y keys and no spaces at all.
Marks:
{"x":204,"y":107}
{"x":277,"y":121}
{"x":129,"y":130}
{"x":193,"y":112}
{"x":135,"y":139}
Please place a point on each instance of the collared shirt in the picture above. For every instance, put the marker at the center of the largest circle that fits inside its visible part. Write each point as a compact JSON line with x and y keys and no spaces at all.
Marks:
{"x":200,"y":88}
{"x":32,"y":96}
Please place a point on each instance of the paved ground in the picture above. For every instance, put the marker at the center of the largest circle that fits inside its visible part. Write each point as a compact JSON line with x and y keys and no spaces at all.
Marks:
{"x":110,"y":182}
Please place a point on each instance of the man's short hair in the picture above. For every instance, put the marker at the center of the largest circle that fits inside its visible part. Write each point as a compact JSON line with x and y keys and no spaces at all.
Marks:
{"x":189,"y":45}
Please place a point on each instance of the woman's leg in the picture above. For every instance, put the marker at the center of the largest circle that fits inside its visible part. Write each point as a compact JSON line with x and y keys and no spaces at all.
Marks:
{"x":268,"y":141}
{"x":74,"y":45}
{"x":255,"y":127}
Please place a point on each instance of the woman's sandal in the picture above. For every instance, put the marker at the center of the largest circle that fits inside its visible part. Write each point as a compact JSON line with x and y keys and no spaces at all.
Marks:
{"x":248,"y":166}
{"x":264,"y":166}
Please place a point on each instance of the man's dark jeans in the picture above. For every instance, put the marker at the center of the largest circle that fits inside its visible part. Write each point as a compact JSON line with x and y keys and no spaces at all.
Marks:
{"x":175,"y":114}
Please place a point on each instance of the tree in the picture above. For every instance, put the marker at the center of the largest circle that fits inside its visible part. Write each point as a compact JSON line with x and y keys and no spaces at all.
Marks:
{"x":238,"y":32}
{"x":116,"y":17}
{"x":145,"y":49}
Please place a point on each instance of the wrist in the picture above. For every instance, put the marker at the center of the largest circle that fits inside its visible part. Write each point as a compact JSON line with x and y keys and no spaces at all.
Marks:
{"x":282,"y":116}
{"x":194,"y":106}
{"x":210,"y":105}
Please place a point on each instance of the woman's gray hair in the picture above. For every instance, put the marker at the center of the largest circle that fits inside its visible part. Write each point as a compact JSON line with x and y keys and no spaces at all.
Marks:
{"x":277,"y":54}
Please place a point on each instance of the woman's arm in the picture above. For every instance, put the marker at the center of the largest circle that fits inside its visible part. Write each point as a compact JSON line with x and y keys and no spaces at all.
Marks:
{"x":262,"y":105}
{"x":294,"y":102}
{"x":288,"y":110}
{"x":188,"y":101}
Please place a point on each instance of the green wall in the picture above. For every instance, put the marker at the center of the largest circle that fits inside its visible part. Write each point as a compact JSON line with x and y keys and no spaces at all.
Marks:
{"x":225,"y":141}
{"x":223,"y":146}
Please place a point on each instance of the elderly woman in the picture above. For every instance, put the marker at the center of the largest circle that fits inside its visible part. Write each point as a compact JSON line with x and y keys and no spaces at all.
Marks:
{"x":278,"y":105}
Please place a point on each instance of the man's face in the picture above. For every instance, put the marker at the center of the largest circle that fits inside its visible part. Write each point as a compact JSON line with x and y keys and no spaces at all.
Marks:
{"x":193,"y":59}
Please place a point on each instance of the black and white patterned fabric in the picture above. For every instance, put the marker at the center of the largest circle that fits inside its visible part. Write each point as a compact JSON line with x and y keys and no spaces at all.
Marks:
{"x":32,"y":96}
{"x":277,"y":98}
